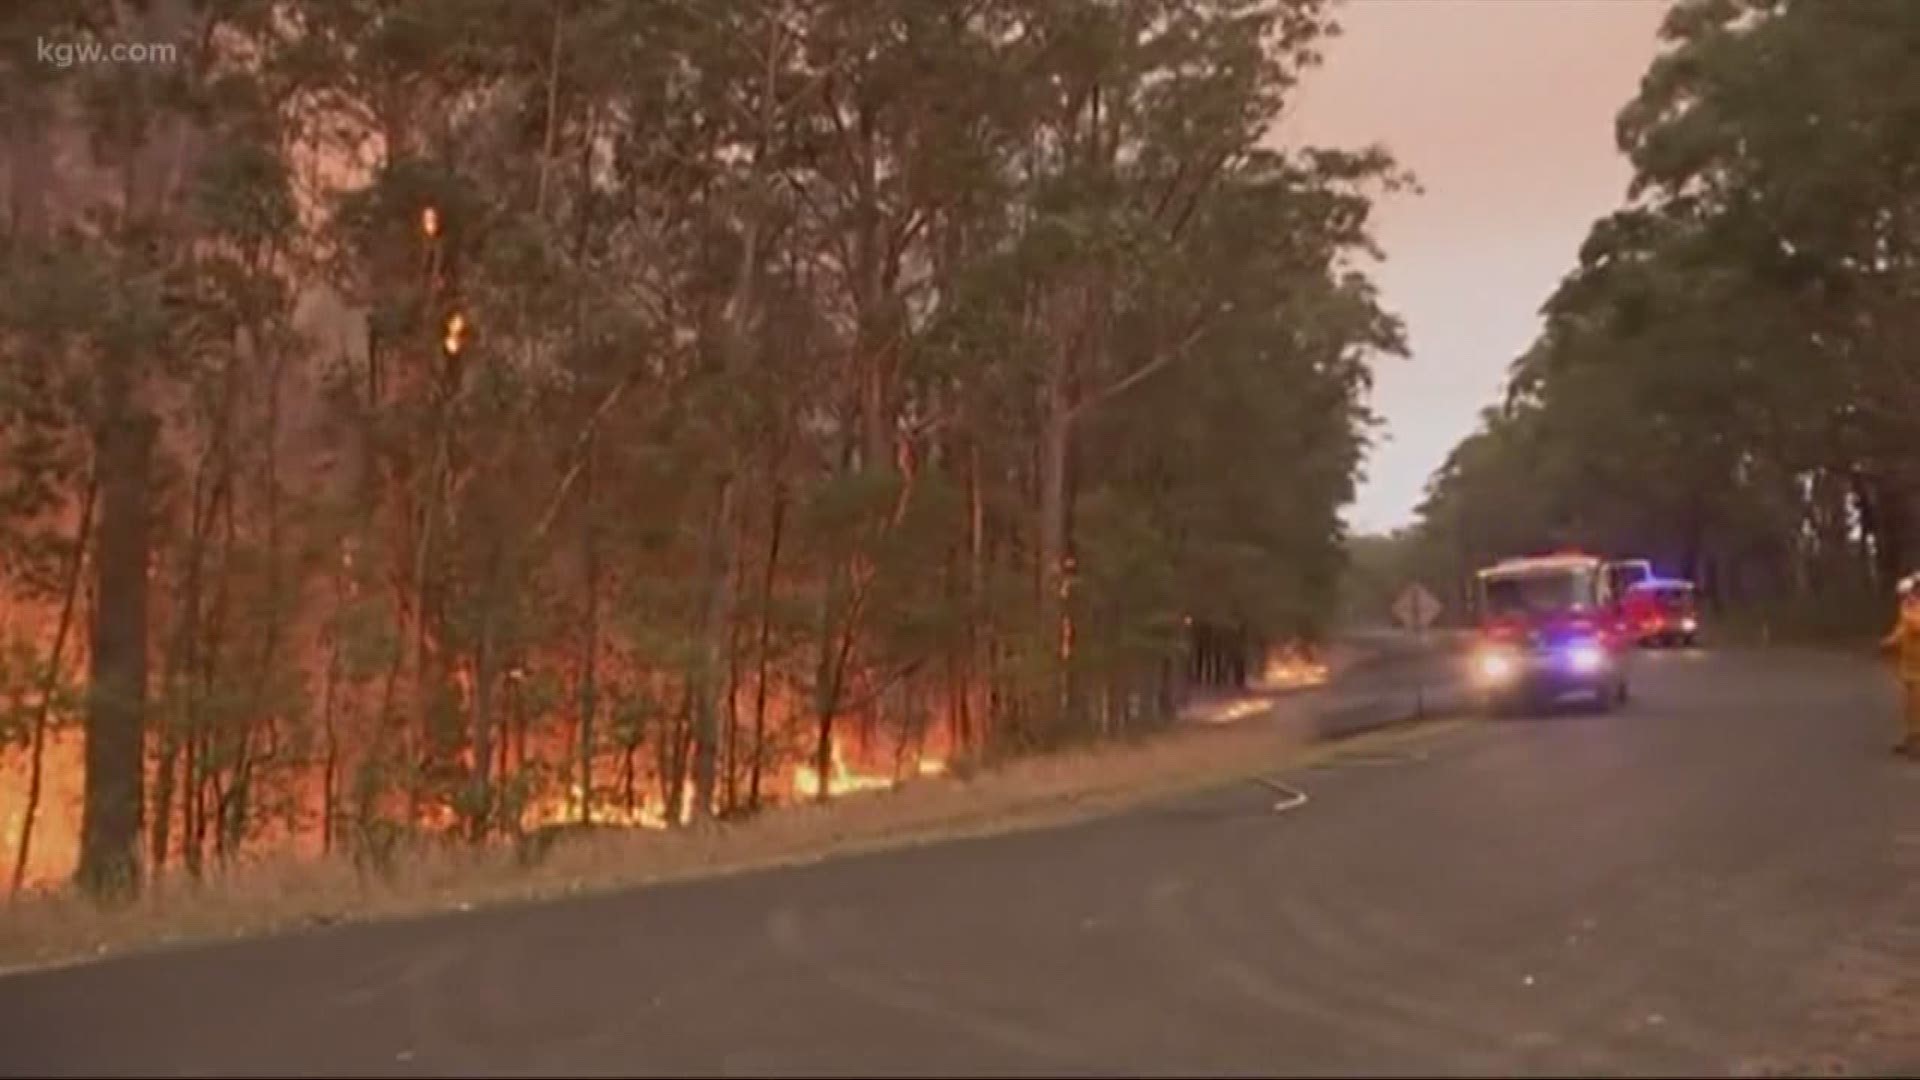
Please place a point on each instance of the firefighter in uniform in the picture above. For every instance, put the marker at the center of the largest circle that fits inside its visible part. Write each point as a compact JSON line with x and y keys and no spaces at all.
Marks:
{"x":1903,"y":643}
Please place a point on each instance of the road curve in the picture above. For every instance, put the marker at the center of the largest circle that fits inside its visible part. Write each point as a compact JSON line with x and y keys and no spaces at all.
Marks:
{"x":1722,"y":879}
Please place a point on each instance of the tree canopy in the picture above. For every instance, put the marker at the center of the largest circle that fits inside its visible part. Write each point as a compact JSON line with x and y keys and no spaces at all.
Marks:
{"x":1726,"y":381}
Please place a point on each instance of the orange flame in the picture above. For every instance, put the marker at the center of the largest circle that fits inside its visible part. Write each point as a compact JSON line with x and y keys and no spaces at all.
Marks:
{"x":840,"y":781}
{"x":1290,"y":668}
{"x":56,"y":824}
{"x":649,"y":813}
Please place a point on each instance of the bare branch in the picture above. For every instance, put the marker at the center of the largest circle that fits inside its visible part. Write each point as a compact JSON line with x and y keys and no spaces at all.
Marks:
{"x":1145,"y":371}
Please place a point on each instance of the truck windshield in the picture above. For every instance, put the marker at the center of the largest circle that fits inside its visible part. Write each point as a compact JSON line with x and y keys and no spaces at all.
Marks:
{"x":1538,"y":594}
{"x":1624,"y":576}
{"x":1673,"y":600}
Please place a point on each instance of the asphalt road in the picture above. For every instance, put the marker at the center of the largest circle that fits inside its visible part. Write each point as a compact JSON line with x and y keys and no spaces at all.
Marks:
{"x":1722,"y":879}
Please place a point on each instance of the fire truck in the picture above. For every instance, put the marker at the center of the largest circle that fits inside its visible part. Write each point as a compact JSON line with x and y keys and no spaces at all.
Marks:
{"x":1624,"y":574}
{"x":1661,"y":611}
{"x":1547,"y":628}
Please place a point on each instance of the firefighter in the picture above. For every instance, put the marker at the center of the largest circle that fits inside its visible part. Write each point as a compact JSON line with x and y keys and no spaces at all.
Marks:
{"x":1903,"y":642}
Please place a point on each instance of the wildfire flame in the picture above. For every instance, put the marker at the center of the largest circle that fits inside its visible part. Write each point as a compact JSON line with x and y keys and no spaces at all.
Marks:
{"x":872,"y":760}
{"x":456,"y":334}
{"x":843,"y":780}
{"x":647,"y":813}
{"x":56,"y":826}
{"x":1291,"y":668}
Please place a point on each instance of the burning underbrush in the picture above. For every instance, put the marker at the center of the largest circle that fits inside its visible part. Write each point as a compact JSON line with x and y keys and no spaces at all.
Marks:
{"x":343,"y":806}
{"x":314,"y":818}
{"x":1292,"y":667}
{"x":304,"y":807}
{"x":275,"y":890}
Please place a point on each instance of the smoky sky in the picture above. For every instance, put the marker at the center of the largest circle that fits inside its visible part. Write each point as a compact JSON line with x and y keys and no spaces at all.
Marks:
{"x":1504,"y":110}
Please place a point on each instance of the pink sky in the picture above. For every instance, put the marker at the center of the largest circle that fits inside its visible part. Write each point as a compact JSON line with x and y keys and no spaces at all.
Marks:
{"x":1504,"y":109}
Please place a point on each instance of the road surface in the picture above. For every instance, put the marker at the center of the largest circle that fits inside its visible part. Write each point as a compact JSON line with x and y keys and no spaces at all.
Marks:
{"x":1723,"y":879}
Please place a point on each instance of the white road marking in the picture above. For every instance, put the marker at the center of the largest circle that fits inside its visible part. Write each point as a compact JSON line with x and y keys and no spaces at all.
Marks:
{"x":1293,"y":798}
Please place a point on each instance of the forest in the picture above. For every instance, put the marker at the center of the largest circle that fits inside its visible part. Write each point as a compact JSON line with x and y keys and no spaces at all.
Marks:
{"x":457,"y":417}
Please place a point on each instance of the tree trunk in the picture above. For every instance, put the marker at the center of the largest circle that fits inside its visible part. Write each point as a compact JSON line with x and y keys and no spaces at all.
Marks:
{"x":116,"y":706}
{"x":732,"y":698}
{"x":37,"y":752}
{"x":674,"y":759}
{"x":1055,"y":440}
{"x":775,"y":529}
{"x":160,"y":840}
{"x":190,"y":804}
{"x":627,"y":785}
{"x":826,"y":693}
{"x":714,"y":619}
{"x":184,"y":663}
{"x":966,"y":735}
{"x":589,"y":665}
{"x":157,"y":156}
{"x":330,"y":736}
{"x":481,"y":806}
{"x":236,"y":801}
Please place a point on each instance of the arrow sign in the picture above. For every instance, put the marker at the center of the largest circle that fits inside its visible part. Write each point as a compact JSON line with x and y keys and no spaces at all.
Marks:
{"x":1416,"y":608}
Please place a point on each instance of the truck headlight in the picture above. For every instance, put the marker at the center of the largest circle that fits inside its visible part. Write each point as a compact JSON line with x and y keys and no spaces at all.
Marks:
{"x":1689,"y":624}
{"x":1494,"y":667}
{"x":1586,"y":657}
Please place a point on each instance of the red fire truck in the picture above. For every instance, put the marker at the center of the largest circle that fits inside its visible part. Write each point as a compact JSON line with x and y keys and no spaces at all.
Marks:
{"x":1548,"y":627}
{"x":1661,"y":611}
{"x":1624,"y":574}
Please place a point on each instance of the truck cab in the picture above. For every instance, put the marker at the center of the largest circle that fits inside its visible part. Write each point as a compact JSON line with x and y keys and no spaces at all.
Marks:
{"x":1662,"y":612}
{"x":1547,"y":627}
{"x":1624,"y":574}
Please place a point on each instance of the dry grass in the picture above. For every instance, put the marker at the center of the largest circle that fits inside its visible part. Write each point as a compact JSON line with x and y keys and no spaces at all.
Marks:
{"x":278,"y":894}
